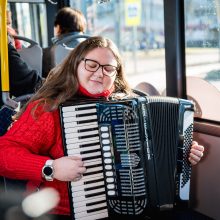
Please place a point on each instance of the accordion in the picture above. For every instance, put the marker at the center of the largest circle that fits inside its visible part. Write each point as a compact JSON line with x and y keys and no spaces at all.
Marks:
{"x":135,"y":152}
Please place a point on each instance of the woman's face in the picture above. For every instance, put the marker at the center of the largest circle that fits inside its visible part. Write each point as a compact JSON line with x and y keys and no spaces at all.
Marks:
{"x":98,"y":81}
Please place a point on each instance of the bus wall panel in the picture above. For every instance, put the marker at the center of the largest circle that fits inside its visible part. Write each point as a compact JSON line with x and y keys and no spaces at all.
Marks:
{"x":205,"y":183}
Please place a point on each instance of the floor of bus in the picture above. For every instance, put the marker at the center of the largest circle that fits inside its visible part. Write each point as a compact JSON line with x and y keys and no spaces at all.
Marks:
{"x":185,"y":214}
{"x":15,"y":197}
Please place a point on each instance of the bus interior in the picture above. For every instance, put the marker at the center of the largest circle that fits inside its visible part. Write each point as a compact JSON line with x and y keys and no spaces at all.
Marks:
{"x":169,"y":48}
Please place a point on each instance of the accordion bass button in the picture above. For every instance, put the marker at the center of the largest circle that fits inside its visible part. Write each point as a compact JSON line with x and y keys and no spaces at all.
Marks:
{"x":106,"y":141}
{"x":111,"y":193}
{"x":105,"y":135}
{"x":107,"y":154}
{"x":110,"y":186}
{"x":108,"y":167}
{"x":109,"y":180}
{"x":109,"y":173}
{"x":107,"y":161}
{"x":106,"y":148}
{"x":103,"y":129}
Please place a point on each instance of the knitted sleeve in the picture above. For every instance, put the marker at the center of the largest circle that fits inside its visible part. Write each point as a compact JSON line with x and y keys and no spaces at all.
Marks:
{"x":25,"y":148}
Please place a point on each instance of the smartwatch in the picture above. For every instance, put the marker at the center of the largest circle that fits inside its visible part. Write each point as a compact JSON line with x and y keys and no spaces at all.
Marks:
{"x":48,"y":170}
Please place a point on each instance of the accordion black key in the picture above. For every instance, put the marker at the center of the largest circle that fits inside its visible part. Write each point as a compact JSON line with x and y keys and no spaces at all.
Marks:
{"x":135,"y":152}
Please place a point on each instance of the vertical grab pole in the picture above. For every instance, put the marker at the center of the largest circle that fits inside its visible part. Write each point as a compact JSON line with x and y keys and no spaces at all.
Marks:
{"x":4,"y":57}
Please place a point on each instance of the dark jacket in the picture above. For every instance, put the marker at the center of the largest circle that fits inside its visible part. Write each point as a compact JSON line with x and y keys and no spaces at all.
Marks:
{"x":22,"y":79}
{"x":64,"y":39}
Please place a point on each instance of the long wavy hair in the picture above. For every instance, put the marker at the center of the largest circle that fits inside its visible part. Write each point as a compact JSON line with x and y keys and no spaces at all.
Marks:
{"x":62,"y":83}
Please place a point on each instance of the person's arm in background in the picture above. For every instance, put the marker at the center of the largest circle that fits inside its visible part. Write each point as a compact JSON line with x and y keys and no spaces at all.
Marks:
{"x":23,"y":79}
{"x":12,"y":33}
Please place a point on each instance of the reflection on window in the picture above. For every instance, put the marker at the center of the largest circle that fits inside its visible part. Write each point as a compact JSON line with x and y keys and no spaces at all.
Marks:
{"x":203,"y":55}
{"x":137,"y":27}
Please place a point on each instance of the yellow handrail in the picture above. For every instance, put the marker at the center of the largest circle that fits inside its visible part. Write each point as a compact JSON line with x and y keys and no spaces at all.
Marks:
{"x":4,"y":48}
{"x":4,"y":56}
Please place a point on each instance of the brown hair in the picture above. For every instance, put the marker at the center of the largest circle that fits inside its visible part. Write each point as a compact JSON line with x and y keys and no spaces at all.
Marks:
{"x":62,"y":83}
{"x":70,"y":20}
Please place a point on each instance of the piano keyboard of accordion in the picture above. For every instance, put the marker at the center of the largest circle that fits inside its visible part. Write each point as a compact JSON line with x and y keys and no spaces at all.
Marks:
{"x":135,"y":151}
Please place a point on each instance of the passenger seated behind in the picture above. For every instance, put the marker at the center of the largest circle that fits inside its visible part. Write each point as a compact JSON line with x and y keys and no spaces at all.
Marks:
{"x":11,"y":31}
{"x":23,"y":80}
{"x":68,"y":22}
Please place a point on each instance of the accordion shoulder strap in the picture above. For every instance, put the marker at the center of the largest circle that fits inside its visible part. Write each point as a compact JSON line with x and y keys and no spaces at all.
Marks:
{"x":139,"y":93}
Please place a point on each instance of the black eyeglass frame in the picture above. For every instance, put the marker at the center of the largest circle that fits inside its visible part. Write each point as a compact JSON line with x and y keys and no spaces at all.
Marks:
{"x":102,"y":66}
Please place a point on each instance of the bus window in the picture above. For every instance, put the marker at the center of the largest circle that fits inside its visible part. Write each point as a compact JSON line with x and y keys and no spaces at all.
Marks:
{"x":202,"y":39}
{"x":137,"y":27}
{"x":30,"y":21}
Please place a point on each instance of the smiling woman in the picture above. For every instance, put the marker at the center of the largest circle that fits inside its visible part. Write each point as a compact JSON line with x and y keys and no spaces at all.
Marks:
{"x":165,"y":44}
{"x":98,"y":80}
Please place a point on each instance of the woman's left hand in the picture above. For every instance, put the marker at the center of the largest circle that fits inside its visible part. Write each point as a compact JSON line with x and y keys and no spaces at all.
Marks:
{"x":196,"y":153}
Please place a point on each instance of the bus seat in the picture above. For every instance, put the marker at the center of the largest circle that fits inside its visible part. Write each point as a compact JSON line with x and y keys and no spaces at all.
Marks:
{"x":205,"y":106}
{"x":164,"y":92}
{"x":55,"y":54}
{"x":147,"y":88}
{"x":6,"y":113}
{"x":32,"y":54}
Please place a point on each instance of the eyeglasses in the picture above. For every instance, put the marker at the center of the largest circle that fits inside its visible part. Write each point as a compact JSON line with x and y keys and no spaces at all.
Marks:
{"x":93,"y":66}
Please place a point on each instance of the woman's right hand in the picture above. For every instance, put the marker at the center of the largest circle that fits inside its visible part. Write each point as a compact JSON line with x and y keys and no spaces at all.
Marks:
{"x":68,"y":168}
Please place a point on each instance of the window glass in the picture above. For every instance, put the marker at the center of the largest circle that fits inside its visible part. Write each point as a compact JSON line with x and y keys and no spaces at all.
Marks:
{"x":137,"y":27}
{"x":202,"y":38}
{"x":29,"y":20}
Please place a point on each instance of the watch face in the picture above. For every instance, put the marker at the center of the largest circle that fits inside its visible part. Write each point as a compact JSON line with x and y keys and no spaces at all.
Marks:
{"x":48,"y":171}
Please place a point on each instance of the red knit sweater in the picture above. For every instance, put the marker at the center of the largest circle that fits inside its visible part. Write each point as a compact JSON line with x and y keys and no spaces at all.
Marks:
{"x":26,"y":147}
